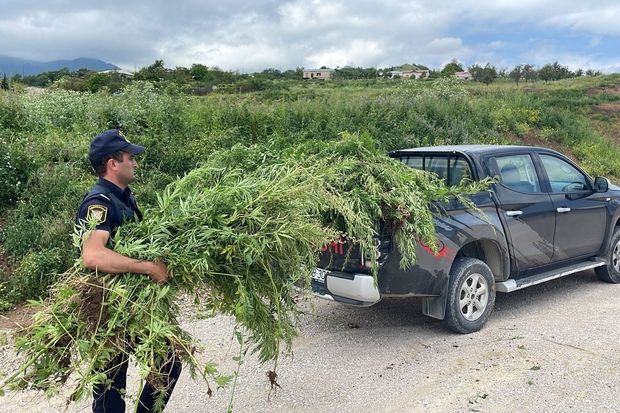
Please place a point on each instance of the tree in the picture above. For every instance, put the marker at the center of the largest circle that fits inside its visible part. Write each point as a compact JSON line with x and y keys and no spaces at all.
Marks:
{"x":154,"y":72}
{"x":349,"y":72}
{"x":181,"y":75}
{"x":451,"y":68}
{"x":529,"y":73}
{"x":82,"y":73}
{"x":489,"y":74}
{"x":270,"y":73}
{"x":546,"y":73}
{"x":476,"y":72}
{"x":5,"y":83}
{"x":199,"y":72}
{"x":486,"y":74}
{"x":96,"y":81}
{"x":516,"y":73}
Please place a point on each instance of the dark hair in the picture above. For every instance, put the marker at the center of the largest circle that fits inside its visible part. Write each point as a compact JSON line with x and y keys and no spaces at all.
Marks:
{"x":101,"y":165}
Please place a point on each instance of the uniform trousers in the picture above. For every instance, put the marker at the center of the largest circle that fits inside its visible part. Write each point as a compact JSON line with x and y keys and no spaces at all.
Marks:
{"x":111,"y":400}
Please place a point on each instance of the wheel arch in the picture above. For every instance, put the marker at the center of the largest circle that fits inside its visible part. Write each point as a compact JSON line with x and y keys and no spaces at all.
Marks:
{"x":490,"y":253}
{"x":486,"y":250}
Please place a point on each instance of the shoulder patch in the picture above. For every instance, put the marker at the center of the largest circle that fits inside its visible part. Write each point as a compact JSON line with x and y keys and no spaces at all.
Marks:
{"x":97,"y":212}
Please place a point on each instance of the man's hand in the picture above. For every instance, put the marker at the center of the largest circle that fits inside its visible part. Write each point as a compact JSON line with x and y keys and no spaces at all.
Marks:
{"x":158,"y":272}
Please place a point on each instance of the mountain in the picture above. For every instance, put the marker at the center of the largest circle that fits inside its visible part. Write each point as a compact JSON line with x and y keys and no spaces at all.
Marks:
{"x":12,"y":65}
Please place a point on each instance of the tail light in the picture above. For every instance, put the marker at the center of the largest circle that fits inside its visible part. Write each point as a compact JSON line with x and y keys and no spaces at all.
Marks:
{"x":334,"y":247}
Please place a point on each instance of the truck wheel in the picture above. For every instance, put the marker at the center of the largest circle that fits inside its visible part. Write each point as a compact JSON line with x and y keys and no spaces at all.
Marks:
{"x":611,"y":271}
{"x":471,"y":296}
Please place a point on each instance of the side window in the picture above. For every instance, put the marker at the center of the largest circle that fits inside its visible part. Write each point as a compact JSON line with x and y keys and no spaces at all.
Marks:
{"x":517,"y":173}
{"x":563,"y":176}
{"x":437,"y":165}
{"x":459,"y":170}
{"x":451,"y":168}
{"x":416,"y":162}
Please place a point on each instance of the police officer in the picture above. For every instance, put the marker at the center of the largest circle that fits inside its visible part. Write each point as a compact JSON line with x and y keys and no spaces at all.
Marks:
{"x":110,"y":203}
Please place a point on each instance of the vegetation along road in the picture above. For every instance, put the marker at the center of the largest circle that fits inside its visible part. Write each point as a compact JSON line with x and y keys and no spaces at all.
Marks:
{"x":551,"y":347}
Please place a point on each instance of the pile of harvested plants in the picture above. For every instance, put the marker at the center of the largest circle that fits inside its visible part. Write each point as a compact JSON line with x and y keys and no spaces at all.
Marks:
{"x":240,"y":241}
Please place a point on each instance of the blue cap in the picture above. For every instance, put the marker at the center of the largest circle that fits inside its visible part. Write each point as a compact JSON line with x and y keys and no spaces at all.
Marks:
{"x":109,"y":142}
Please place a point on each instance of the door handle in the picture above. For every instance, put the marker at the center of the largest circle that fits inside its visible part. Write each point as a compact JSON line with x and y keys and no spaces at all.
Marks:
{"x":562,"y":210}
{"x":514,"y":213}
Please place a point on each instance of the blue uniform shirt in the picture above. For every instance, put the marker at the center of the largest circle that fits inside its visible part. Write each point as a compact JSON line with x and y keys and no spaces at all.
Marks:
{"x":109,"y":206}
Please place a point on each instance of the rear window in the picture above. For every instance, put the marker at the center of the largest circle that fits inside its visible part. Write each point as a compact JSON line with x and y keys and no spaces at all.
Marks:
{"x":451,"y":168}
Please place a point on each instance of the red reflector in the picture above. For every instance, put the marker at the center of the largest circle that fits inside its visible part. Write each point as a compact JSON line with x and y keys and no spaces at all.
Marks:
{"x":334,"y":248}
{"x":441,"y":249}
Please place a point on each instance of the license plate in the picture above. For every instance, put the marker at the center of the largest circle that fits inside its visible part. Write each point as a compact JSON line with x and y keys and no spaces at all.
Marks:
{"x":318,"y":274}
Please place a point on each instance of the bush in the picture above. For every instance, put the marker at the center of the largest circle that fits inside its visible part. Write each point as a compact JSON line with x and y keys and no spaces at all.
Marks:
{"x":35,"y":273}
{"x":45,"y":215}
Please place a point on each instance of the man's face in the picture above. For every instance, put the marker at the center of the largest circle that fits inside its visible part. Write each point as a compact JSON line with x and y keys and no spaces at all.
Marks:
{"x":125,"y":170}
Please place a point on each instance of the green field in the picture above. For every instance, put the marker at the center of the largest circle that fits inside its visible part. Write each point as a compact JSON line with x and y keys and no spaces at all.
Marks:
{"x":44,"y":170}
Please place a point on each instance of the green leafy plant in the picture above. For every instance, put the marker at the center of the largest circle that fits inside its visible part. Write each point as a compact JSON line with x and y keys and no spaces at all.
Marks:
{"x":241,"y":242}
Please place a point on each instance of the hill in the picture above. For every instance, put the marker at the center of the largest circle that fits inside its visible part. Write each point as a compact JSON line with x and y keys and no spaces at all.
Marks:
{"x":12,"y":66}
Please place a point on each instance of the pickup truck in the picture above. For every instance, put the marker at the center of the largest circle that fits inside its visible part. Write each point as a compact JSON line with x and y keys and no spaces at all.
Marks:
{"x":542,"y":219}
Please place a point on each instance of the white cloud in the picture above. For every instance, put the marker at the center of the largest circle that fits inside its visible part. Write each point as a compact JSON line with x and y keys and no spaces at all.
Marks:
{"x":444,"y":46}
{"x":242,"y":35}
{"x":244,"y":58}
{"x":356,"y":53}
{"x":599,"y":20}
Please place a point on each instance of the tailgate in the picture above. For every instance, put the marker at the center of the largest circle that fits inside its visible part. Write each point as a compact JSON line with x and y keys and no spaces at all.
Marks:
{"x":347,"y":256}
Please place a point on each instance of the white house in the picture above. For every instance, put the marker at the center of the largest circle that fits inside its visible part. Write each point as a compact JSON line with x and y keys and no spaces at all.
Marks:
{"x":415,"y":74}
{"x":119,"y":71}
{"x":318,"y":74}
{"x":462,"y":75}
{"x":409,"y":74}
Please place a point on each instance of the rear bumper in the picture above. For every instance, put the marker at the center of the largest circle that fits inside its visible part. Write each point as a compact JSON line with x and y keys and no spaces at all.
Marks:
{"x":352,"y":289}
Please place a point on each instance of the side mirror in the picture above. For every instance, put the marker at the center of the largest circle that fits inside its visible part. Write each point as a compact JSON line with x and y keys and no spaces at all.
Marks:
{"x":601,"y":184}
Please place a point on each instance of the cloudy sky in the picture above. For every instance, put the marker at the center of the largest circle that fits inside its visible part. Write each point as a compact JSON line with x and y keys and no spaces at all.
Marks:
{"x":253,"y":35}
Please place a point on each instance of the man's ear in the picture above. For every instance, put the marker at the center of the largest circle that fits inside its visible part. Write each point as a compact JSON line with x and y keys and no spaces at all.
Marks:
{"x":111,"y":163}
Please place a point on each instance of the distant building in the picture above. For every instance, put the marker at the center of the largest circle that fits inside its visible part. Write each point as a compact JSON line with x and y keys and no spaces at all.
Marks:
{"x":462,"y":75}
{"x":416,"y":74}
{"x":119,"y":71}
{"x":409,"y":74}
{"x":318,"y":74}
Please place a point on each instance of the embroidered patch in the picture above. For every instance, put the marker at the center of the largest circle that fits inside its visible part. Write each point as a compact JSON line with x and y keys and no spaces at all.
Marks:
{"x":99,"y":213}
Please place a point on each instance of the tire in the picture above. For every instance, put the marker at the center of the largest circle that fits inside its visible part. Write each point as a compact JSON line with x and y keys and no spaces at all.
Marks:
{"x":610,"y":272}
{"x":471,"y":296}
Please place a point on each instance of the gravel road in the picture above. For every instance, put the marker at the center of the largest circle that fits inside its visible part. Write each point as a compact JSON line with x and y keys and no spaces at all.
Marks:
{"x":552,"y":347}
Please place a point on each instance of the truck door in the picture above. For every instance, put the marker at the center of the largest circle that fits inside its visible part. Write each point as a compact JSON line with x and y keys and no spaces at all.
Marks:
{"x":581,"y":214}
{"x":527,"y":212}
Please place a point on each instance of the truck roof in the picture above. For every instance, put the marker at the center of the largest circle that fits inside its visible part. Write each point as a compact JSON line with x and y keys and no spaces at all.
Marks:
{"x":473,"y":150}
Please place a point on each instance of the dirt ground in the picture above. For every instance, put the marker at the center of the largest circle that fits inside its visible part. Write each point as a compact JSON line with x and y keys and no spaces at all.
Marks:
{"x":551,"y":347}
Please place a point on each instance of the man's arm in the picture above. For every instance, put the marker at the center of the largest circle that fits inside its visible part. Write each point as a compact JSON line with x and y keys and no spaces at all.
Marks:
{"x":96,"y":256}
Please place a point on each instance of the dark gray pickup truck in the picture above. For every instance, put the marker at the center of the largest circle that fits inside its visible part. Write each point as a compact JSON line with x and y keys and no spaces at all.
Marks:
{"x":544,"y":218}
